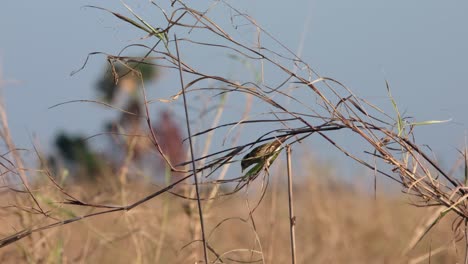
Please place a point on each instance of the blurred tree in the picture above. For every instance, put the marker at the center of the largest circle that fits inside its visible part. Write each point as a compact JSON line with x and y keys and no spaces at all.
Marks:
{"x":120,"y":86}
{"x":169,"y":136}
{"x":121,"y":76}
{"x":76,"y":153}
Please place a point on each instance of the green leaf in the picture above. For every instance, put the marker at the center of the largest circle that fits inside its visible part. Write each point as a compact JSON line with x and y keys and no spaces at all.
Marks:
{"x":430,"y":122}
{"x":124,"y":18}
{"x":400,"y":121}
{"x":158,"y":33}
{"x":145,"y":27}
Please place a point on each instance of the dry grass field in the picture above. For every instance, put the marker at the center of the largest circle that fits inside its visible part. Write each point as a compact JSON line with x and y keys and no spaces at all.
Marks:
{"x":335,"y":223}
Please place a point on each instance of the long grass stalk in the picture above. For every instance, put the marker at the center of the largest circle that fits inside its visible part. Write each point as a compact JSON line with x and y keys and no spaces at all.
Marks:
{"x":192,"y":156}
{"x":292,"y":217}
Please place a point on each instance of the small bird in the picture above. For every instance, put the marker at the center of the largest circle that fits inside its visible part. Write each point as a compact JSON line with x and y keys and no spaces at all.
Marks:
{"x":263,"y":155}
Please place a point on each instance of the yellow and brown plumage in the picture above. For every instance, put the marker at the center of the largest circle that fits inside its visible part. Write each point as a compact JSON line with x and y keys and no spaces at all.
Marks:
{"x":263,"y":154}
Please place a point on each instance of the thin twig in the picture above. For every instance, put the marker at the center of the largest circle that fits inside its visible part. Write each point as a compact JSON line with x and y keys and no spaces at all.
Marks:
{"x":192,"y":156}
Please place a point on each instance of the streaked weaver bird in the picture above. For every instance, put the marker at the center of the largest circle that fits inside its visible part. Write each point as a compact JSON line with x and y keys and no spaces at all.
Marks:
{"x":263,"y":155}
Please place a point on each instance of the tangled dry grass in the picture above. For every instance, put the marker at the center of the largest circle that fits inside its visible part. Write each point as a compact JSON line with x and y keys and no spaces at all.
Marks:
{"x":336,"y":223}
{"x":211,"y":214}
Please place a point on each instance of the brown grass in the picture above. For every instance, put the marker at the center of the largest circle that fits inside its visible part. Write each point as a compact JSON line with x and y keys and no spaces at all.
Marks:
{"x":336,"y":223}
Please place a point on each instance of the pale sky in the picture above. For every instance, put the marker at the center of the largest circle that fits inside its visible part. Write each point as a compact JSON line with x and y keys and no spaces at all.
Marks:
{"x":420,"y":47}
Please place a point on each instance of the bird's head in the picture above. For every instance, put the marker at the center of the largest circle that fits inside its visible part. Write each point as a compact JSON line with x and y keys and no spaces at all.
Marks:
{"x":246,"y":161}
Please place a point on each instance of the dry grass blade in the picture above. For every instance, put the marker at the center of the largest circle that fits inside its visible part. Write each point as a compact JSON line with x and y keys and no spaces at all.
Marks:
{"x":424,"y":228}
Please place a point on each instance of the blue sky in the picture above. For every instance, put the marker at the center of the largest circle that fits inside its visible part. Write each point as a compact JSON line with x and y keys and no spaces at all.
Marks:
{"x":420,"y":47}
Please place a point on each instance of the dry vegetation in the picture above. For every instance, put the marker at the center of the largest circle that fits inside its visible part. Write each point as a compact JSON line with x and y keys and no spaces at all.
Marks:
{"x":336,"y":223}
{"x":207,"y":211}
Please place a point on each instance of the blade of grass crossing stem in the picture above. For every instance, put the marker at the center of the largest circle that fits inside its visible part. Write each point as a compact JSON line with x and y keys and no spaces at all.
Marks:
{"x":416,"y":239}
{"x":145,"y":27}
{"x":124,"y":18}
{"x":400,"y":121}
{"x":158,"y":33}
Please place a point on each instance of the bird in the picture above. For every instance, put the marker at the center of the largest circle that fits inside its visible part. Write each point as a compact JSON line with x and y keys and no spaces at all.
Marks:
{"x":263,"y":155}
